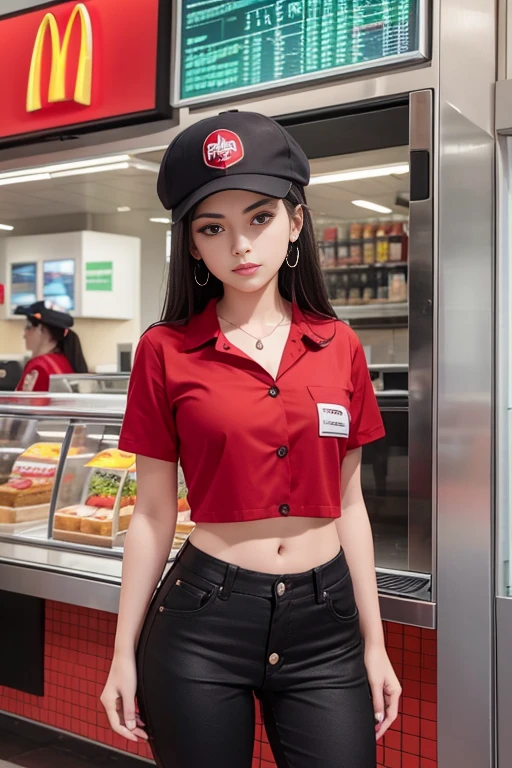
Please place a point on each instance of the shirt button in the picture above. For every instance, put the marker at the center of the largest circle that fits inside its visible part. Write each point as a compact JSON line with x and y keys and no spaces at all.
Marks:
{"x":273,"y":391}
{"x":282,"y":451}
{"x":284,"y":509}
{"x":273,"y":658}
{"x":226,"y":346}
{"x":281,"y":588}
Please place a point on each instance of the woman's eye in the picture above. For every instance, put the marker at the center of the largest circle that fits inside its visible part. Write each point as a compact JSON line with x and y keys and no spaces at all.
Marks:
{"x":262,"y":218}
{"x":211,"y":229}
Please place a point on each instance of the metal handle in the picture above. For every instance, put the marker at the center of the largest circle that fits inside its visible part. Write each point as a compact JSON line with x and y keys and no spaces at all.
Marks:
{"x":421,"y":331}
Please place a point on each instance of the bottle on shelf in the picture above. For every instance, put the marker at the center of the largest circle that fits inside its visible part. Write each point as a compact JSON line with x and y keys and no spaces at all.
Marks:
{"x":368,"y":285}
{"x":355,"y":288}
{"x":369,"y":244}
{"x":396,"y":242}
{"x":342,"y":287}
{"x":382,"y":254}
{"x":382,"y":285}
{"x":356,"y":246}
{"x":329,"y":248}
{"x":397,"y":283}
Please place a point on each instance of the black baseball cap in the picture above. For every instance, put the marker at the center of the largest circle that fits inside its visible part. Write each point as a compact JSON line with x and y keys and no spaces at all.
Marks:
{"x":233,"y":150}
{"x":46,"y":314}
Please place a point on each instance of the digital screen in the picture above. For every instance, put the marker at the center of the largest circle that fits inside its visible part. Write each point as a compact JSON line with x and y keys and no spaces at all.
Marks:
{"x":23,"y":285}
{"x":246,"y":45}
{"x":59,"y":283}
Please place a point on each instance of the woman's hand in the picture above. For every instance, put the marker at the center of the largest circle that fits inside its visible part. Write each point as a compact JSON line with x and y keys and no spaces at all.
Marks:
{"x":386,"y":689}
{"x":118,"y":698}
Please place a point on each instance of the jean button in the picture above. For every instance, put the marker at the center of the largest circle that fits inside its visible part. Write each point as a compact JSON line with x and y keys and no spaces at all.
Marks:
{"x":273,"y":658}
{"x":281,"y":589}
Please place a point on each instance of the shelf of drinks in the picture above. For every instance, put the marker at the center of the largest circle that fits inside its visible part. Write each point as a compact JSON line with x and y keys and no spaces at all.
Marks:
{"x":385,"y":265}
{"x":377,"y":310}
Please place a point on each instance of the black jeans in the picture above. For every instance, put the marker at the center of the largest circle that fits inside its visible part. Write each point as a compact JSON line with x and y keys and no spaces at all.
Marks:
{"x":217,"y":635}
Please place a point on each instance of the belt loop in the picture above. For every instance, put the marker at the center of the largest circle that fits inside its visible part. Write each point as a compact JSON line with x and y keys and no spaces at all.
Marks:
{"x":229,"y":580}
{"x":317,"y":580}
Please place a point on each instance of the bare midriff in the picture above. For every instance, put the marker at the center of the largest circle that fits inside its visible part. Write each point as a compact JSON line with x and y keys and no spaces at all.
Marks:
{"x":275,"y":545}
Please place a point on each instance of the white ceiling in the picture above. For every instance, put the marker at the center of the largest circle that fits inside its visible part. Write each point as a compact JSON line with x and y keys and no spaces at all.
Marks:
{"x":103,"y":193}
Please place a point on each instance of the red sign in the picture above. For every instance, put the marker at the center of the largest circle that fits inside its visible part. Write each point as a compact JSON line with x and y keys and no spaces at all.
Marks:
{"x":70,"y":67}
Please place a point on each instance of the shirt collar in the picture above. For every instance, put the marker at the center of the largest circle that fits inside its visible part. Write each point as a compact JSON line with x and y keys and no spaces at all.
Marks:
{"x":204,"y":327}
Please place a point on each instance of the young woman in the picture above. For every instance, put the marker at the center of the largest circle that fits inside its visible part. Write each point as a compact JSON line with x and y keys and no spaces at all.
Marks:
{"x":55,"y":347}
{"x":265,"y":398}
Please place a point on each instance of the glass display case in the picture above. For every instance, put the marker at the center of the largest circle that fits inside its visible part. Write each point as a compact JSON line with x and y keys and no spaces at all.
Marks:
{"x":63,"y":448}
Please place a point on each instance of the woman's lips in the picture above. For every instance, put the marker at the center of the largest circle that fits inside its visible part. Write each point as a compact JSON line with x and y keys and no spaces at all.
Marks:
{"x":247,"y":269}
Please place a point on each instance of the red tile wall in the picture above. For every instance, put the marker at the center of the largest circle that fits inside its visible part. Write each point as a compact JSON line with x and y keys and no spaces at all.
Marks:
{"x":79,"y":646}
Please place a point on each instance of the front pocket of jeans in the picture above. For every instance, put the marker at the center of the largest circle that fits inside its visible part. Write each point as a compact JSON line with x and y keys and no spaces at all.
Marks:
{"x":186,"y":599}
{"x":340,"y":600}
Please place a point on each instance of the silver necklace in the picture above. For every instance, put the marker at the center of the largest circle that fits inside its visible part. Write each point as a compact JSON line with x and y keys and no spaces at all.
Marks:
{"x":259,"y":343}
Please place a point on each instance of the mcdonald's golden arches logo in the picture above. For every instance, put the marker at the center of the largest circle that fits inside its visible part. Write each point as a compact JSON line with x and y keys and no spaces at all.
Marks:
{"x":57,"y":88}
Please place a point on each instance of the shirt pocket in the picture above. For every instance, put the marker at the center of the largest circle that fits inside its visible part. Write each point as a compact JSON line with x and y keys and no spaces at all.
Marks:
{"x":333,"y":411}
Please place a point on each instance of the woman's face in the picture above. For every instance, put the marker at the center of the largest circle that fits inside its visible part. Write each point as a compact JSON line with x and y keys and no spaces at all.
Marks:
{"x":234,"y":229}
{"x":33,"y":335}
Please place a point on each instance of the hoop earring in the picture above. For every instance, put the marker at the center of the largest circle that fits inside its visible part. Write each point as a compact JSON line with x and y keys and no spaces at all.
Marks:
{"x":195,"y":276}
{"x":292,"y":266}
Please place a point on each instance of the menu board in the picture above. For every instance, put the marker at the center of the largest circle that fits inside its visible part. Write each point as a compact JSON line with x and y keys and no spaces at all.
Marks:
{"x":233,"y":47}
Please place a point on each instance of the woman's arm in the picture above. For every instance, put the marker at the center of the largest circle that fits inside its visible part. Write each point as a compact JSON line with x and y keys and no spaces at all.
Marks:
{"x":356,"y":539}
{"x":147,"y":547}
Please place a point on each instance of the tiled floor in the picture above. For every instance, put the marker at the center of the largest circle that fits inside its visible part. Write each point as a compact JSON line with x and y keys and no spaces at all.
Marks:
{"x":34,"y":746}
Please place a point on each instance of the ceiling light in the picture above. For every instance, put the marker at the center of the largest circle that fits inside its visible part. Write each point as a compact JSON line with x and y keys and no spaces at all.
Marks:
{"x":371,"y":206}
{"x":77,"y":168}
{"x":7,"y":227}
{"x":32,"y":177}
{"x":362,"y":173}
{"x":47,"y":169}
{"x":95,"y":169}
{"x":123,"y":208}
{"x":160,"y":221}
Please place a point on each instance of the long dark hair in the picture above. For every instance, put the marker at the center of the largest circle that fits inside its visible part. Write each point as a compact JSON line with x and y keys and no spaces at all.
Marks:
{"x":303,"y":285}
{"x":67,"y":343}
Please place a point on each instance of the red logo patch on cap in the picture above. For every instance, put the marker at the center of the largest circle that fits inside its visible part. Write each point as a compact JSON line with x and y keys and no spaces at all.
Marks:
{"x":222,"y":148}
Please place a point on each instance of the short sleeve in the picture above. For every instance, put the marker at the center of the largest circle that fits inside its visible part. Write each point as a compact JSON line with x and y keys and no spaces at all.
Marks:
{"x":35,"y":378}
{"x":366,"y":421}
{"x":148,"y":427}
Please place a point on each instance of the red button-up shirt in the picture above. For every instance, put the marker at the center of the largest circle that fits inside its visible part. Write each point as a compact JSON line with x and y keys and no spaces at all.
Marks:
{"x":252,"y":447}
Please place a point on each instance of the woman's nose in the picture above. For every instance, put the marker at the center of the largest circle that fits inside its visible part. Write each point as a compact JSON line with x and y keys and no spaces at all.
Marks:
{"x":241,"y":246}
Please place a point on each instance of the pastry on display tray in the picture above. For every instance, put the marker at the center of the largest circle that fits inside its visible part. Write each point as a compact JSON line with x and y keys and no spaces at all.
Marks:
{"x":103,"y":515}
{"x":28,"y":491}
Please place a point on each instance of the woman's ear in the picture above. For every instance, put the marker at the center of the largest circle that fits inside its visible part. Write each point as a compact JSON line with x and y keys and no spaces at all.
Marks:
{"x":193,"y":250}
{"x":296,"y":223}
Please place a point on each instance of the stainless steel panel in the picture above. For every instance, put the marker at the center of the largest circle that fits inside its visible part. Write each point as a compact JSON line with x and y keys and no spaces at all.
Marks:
{"x":62,"y":587}
{"x":102,"y":594}
{"x":421,"y":341}
{"x":415,"y":613}
{"x":63,"y":406}
{"x":465,"y":419}
{"x":504,"y":679}
{"x":504,"y":107}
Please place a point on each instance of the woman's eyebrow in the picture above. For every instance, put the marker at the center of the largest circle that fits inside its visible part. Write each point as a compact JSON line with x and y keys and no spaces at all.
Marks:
{"x":271,"y":202}
{"x":208,"y":216}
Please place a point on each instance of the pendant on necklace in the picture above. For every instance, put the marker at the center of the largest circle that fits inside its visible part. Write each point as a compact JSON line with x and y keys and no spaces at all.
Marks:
{"x":259,"y":344}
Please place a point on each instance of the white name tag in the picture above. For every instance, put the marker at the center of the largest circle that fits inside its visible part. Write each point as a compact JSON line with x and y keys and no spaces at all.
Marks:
{"x":333,"y":420}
